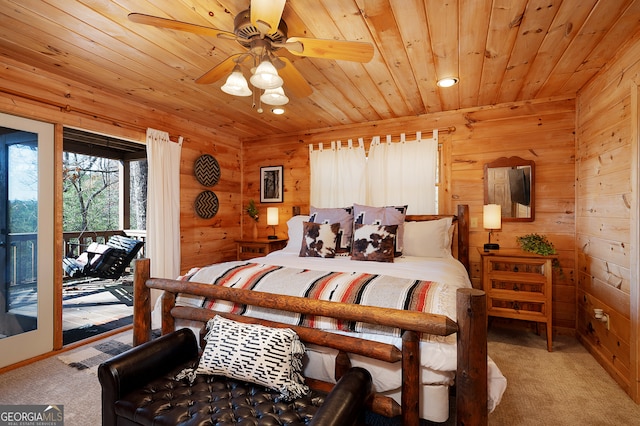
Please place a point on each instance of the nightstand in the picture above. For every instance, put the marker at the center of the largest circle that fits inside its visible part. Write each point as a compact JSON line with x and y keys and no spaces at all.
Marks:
{"x":519,"y":285}
{"x":248,"y":249}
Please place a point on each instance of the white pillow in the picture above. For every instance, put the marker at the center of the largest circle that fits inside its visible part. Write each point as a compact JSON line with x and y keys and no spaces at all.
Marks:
{"x":295,"y":232}
{"x":428,"y":238}
{"x":271,"y":357}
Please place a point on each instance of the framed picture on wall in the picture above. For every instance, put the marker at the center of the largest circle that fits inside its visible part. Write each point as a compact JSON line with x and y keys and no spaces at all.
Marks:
{"x":271,"y":185}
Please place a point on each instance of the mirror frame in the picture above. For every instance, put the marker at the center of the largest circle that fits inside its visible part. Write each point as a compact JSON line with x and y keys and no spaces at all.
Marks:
{"x":512,"y":162}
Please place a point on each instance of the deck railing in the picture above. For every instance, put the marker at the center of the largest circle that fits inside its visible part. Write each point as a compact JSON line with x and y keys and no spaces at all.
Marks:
{"x":23,"y":248}
{"x":77,"y":242}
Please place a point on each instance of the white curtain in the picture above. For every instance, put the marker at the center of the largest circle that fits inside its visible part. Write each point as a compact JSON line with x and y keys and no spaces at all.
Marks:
{"x":393,"y":174}
{"x":403,"y":173}
{"x":338,"y":174}
{"x":163,"y":204}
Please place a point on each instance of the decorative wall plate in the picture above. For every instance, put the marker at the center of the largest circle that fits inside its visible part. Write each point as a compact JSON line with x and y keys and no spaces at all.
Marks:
{"x":207,"y":170}
{"x":206,"y":204}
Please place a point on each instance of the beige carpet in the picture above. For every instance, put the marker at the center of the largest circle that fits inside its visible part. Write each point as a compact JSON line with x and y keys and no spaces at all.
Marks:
{"x":563,"y":387}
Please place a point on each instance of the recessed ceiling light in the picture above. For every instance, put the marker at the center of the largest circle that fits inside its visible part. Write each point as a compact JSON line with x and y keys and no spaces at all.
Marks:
{"x":448,"y":82}
{"x":277,"y":111}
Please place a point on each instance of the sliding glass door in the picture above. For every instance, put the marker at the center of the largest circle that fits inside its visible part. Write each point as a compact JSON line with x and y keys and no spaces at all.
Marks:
{"x":26,"y":238}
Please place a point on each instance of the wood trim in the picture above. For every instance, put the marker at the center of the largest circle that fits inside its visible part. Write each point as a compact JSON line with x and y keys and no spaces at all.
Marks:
{"x":57,"y":237}
{"x":634,"y":363}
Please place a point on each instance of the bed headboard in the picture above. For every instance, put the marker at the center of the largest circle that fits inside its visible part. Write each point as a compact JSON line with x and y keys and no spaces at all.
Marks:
{"x":460,"y":241}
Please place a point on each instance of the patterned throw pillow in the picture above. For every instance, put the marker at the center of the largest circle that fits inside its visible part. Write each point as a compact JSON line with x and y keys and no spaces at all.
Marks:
{"x":374,"y":242}
{"x":319,"y":239}
{"x":341,"y":215}
{"x":271,"y":357}
{"x":390,"y":215}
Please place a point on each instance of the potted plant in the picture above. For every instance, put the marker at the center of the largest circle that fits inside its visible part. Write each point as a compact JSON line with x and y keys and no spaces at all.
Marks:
{"x":253,"y":213}
{"x":535,"y":243}
{"x":539,"y":244}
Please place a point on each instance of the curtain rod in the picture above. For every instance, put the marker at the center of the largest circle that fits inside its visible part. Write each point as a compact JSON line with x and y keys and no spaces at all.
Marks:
{"x":447,"y":130}
{"x":402,"y":136}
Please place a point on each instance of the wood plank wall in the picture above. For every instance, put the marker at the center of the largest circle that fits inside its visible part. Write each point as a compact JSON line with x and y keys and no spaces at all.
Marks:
{"x":542,"y":131}
{"x":606,"y":204}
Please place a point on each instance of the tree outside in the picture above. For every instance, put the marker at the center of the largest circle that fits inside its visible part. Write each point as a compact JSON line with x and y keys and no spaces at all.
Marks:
{"x":91,"y":193}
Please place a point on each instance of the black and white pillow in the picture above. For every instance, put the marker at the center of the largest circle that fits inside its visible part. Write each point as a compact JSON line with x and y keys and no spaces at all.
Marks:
{"x":319,"y":239}
{"x":374,"y":242}
{"x":389,"y":215}
{"x":271,"y":357}
{"x":340,"y":215}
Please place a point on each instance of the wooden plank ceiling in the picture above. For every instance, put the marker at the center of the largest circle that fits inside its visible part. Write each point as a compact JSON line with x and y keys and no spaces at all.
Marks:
{"x":501,"y":50}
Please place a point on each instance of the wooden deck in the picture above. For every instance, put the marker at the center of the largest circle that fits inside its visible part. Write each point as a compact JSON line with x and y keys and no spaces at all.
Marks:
{"x":94,"y":306}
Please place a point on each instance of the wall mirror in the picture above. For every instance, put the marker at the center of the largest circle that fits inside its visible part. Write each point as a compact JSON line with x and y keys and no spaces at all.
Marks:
{"x":510,"y":183}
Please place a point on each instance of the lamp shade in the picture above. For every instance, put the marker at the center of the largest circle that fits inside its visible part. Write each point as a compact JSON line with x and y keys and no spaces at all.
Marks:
{"x":274,"y":97}
{"x":266,"y":76}
{"x":272,"y":216}
{"x":492,"y":216}
{"x":236,"y":84}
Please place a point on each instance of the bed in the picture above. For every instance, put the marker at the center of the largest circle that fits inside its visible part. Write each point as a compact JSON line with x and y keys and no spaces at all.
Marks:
{"x":436,"y":326}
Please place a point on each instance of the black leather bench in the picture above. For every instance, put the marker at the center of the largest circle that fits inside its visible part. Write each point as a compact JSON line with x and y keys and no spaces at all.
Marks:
{"x":139,"y":387}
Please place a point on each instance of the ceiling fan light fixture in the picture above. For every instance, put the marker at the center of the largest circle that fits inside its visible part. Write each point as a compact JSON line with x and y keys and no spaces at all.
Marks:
{"x":448,"y":81}
{"x":277,"y":110}
{"x":274,"y":97}
{"x":236,"y":84}
{"x":266,"y":76}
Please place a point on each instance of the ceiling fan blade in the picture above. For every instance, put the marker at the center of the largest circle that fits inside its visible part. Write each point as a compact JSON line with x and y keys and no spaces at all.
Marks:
{"x":330,"y":49}
{"x":171,"y":24}
{"x":294,"y":82}
{"x":266,"y":14}
{"x":223,"y":69}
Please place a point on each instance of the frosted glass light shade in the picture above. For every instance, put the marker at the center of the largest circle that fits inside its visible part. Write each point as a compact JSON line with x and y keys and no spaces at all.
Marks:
{"x":274,"y":97}
{"x":266,"y":76}
{"x":272,"y":215}
{"x":492,"y":216}
{"x":236,"y":84}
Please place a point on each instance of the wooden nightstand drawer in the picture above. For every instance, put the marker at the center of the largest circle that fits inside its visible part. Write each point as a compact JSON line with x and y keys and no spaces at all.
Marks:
{"x":518,"y":287}
{"x":521,"y":307}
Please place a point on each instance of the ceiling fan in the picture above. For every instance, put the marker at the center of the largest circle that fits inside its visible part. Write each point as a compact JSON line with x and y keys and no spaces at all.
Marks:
{"x":261,"y":31}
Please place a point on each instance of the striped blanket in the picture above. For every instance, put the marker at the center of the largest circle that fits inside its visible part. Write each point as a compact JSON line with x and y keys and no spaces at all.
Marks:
{"x":347,"y":287}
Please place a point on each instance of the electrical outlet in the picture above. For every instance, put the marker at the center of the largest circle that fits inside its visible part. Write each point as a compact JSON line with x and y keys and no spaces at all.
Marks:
{"x":474,"y":222}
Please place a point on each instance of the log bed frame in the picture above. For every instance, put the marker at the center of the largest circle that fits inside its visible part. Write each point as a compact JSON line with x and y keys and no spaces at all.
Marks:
{"x":470,"y":328}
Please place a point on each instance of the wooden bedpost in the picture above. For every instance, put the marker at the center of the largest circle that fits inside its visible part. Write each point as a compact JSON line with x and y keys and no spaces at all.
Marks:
{"x":463,"y":235}
{"x":471,"y":377}
{"x":141,"y":302}
{"x":410,"y":398}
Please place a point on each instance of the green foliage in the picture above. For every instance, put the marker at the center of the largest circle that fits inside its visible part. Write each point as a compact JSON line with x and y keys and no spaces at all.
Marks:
{"x":252,"y":210}
{"x":90,"y":193}
{"x":23,"y":216}
{"x":535,"y":243}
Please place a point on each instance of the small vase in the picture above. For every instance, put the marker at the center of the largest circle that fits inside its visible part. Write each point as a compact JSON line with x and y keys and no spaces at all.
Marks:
{"x":255,"y":230}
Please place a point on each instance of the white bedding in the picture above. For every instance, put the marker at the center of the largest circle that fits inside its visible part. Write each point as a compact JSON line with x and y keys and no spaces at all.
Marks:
{"x":438,"y":359}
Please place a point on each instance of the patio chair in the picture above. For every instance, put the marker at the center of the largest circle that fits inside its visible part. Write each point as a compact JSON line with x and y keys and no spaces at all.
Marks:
{"x":107,"y":261}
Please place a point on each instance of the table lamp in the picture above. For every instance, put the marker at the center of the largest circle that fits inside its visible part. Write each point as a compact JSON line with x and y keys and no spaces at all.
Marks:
{"x":491,"y":220}
{"x":272,"y":220}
